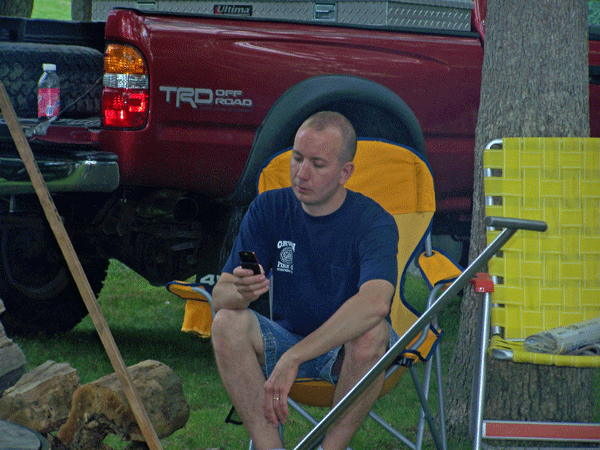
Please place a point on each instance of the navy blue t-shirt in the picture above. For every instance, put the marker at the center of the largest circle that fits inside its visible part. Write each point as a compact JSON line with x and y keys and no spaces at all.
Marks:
{"x":317,"y":262}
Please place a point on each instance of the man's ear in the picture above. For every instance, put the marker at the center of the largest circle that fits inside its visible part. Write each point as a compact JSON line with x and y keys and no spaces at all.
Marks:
{"x":347,"y":171}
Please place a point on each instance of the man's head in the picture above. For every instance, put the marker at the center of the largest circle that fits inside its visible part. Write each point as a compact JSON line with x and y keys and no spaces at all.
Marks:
{"x":321,"y":163}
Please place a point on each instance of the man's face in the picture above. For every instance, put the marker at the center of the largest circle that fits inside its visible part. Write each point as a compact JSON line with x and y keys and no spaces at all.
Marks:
{"x":316,"y":171}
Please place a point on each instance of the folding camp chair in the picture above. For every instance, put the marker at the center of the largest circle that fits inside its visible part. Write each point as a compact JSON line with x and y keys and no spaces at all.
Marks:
{"x":401,"y":181}
{"x":542,"y":280}
{"x":198,"y":307}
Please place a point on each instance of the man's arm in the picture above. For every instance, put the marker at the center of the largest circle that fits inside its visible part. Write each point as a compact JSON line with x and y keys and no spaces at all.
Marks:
{"x":359,"y":314}
{"x":238,"y":290}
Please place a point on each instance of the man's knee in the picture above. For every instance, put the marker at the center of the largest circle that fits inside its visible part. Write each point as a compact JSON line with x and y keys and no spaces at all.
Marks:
{"x":235,"y":329}
{"x":369,"y":347}
{"x":230,"y":324}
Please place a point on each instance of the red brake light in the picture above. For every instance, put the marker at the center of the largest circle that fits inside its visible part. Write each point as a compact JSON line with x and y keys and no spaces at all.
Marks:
{"x":125,"y":95}
{"x":124,"y":107}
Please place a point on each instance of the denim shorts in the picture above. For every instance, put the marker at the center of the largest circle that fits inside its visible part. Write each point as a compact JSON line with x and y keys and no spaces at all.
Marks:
{"x":278,"y":340}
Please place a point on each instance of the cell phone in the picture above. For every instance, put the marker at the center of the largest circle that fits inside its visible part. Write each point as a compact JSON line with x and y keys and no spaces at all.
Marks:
{"x":249,"y":261}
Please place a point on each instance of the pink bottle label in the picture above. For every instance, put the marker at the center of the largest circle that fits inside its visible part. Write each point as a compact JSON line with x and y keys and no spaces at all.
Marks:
{"x":48,"y":102}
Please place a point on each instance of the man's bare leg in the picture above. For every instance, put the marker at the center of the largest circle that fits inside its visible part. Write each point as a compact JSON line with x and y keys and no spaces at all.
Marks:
{"x":359,"y":356}
{"x":239,"y":351}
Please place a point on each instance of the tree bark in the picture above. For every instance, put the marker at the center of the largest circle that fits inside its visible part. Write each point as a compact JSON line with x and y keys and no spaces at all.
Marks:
{"x":534,"y":83}
{"x":16,"y":8}
{"x":81,"y":10}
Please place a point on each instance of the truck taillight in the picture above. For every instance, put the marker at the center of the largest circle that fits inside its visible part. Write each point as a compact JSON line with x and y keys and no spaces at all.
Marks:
{"x":125,"y":95}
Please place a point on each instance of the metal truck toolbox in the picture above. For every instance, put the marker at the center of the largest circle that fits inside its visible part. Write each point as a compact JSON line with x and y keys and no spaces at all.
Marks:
{"x":415,"y":14}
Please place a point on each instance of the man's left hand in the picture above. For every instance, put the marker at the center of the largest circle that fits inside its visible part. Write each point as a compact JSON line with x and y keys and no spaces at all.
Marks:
{"x":277,"y":388}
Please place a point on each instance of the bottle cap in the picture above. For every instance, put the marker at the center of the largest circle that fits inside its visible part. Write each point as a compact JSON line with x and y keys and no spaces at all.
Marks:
{"x":49,"y":67}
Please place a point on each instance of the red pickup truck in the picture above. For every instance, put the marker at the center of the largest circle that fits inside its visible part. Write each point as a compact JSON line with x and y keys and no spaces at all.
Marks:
{"x":168,"y":116}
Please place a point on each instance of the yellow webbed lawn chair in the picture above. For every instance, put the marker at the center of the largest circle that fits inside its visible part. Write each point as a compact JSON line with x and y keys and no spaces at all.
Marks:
{"x":542,"y":280}
{"x":401,"y":181}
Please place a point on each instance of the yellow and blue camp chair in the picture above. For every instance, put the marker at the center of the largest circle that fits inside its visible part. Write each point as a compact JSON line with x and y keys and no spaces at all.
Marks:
{"x":400,"y":180}
{"x":542,"y":280}
{"x":199,"y":313}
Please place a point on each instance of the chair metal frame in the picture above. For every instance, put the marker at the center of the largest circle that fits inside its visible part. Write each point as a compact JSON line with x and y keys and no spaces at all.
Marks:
{"x":511,"y":226}
{"x":422,"y":389}
{"x":515,"y":430}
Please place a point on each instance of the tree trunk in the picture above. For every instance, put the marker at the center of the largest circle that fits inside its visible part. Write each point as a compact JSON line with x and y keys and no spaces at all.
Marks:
{"x":534,"y":83}
{"x":16,"y":8}
{"x":81,"y":10}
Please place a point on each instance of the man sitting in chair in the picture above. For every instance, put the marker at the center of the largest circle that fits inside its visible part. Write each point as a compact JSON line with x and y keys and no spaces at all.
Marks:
{"x":332,"y":254}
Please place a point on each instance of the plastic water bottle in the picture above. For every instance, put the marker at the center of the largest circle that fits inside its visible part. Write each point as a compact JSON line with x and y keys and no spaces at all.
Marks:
{"x":48,"y":93}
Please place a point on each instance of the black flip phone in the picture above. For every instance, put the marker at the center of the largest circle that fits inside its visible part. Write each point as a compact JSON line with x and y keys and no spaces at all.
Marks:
{"x":249,"y":261}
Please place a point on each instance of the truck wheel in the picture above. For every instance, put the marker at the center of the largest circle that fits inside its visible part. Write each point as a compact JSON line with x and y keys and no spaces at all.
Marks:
{"x":80,"y":71}
{"x":36,"y":286}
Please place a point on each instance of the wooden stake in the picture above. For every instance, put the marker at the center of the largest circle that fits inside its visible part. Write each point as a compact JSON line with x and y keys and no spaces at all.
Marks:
{"x":76,"y":269}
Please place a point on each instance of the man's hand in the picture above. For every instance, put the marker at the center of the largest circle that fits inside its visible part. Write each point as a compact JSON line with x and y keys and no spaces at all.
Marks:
{"x":248,"y":285}
{"x":238,"y":290}
{"x":277,"y":388}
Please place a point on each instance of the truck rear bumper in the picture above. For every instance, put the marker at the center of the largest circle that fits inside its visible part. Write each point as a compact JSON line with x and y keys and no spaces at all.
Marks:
{"x":89,"y":171}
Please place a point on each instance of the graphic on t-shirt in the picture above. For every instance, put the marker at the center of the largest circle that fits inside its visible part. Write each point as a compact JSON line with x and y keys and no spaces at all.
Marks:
{"x":286,"y":256}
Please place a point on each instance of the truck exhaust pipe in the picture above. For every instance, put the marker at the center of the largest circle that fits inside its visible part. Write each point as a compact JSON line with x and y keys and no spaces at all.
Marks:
{"x":186,"y":208}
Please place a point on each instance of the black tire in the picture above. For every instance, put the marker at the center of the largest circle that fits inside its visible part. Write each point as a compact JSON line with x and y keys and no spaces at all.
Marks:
{"x":36,"y":286}
{"x":79,"y":69}
{"x":16,"y":8}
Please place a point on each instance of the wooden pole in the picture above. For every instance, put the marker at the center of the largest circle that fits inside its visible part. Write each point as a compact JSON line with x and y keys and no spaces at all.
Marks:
{"x":76,"y":269}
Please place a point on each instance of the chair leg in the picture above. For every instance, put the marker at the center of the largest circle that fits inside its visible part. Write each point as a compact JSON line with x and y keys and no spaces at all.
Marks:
{"x":281,"y":434}
{"x":392,"y":430}
{"x":302,"y":412}
{"x":251,"y":447}
{"x":306,"y":416}
{"x":426,"y":409}
{"x":480,"y":380}
{"x":441,"y":403}
{"x":436,"y":361}
{"x":421,"y":423}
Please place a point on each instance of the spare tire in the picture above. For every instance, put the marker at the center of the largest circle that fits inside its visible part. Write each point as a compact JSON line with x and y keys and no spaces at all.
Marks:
{"x":79,"y":69}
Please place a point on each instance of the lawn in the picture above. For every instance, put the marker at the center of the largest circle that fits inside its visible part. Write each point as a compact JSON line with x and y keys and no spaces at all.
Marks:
{"x":145,"y":322}
{"x":52,"y":9}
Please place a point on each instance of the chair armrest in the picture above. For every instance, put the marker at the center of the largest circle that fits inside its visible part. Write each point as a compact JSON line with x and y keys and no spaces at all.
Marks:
{"x":515,"y":224}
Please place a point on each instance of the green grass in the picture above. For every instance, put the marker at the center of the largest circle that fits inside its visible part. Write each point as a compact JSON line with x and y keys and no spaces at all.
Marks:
{"x":145,"y":322}
{"x":52,"y":9}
